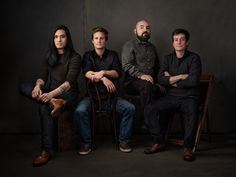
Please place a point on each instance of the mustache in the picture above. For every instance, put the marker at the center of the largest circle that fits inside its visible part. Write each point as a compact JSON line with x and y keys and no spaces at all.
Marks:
{"x":145,"y":34}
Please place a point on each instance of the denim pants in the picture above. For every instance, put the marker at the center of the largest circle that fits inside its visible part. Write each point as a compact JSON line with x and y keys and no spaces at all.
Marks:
{"x":48,"y":124}
{"x":82,"y":120}
{"x":188,"y":106}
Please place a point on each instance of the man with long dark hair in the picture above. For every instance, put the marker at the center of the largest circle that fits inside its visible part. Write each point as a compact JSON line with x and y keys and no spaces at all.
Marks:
{"x":55,"y":89}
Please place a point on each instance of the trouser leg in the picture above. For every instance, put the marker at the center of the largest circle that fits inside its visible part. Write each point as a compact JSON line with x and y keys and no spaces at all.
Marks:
{"x":127,"y":111}
{"x":152,"y":116}
{"x":190,"y":109}
{"x":48,"y":128}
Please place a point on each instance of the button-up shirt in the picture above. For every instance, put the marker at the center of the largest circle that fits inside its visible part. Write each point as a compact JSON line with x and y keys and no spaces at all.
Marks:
{"x":93,"y":62}
{"x":139,"y":58}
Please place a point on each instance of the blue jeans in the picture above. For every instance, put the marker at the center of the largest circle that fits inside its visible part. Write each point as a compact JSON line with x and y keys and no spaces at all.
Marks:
{"x":82,"y":120}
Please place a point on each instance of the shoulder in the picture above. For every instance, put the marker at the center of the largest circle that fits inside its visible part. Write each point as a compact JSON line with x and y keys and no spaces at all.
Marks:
{"x":129,"y":44}
{"x":75,"y":58}
{"x":88,"y":53}
{"x":112,"y":52}
{"x":194,"y":55}
{"x":76,"y":55}
{"x":170,"y":55}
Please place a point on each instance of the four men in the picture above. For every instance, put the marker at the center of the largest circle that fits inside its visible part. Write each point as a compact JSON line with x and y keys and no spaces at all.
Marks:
{"x":179,"y":75}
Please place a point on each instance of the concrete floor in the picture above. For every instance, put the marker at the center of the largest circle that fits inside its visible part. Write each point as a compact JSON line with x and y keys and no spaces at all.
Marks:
{"x":217,"y":159}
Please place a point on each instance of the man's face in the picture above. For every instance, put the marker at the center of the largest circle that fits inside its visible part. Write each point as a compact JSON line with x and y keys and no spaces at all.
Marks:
{"x":60,"y":39}
{"x":99,"y":40}
{"x":179,"y":42}
{"x":142,"y":31}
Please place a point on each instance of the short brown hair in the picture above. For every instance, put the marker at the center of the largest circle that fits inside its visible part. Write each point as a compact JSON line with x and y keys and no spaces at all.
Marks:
{"x":100,"y":29}
{"x":180,"y":31}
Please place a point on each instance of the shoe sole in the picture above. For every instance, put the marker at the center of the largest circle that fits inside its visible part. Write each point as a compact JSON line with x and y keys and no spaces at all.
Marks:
{"x":125,"y":150}
{"x":84,"y":153}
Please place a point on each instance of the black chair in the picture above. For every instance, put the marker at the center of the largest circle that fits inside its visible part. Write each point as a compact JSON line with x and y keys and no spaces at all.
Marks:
{"x":103,"y":105}
{"x":205,"y":91}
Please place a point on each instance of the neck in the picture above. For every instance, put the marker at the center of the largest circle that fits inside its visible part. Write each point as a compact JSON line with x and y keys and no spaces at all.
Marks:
{"x":100,"y":51}
{"x":180,"y":53}
{"x":60,"y":51}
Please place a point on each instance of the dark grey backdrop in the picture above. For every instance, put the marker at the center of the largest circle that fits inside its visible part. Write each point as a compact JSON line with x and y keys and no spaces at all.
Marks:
{"x":26,"y":26}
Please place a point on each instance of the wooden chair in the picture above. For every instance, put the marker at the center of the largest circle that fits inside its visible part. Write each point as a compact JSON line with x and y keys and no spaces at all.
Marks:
{"x":205,"y":91}
{"x":102,"y":105}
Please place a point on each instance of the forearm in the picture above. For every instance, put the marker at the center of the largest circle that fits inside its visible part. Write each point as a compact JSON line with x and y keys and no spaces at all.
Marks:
{"x":175,"y":79}
{"x":110,"y":73}
{"x":61,"y":89}
{"x":39,"y":82}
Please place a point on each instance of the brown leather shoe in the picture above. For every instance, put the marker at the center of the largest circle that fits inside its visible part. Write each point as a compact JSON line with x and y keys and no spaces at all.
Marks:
{"x":188,"y":154}
{"x":155,"y":148}
{"x":57,"y":106}
{"x":42,"y":158}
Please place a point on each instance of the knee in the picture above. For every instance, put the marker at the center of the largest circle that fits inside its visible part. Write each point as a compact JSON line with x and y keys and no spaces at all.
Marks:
{"x":131,"y":109}
{"x":80,"y":111}
{"x":147,"y":86}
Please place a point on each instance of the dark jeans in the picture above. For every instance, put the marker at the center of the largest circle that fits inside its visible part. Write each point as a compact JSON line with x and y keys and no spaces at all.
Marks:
{"x":188,"y":106}
{"x":143,"y":88}
{"x":47,"y":122}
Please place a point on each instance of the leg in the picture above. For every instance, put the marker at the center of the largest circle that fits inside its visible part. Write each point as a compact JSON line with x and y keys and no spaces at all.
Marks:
{"x":127,"y":111}
{"x":48,"y":128}
{"x":26,"y":90}
{"x":152,"y":116}
{"x":71,"y":99}
{"x":190,"y":109}
{"x":142,"y":88}
{"x":82,"y":121}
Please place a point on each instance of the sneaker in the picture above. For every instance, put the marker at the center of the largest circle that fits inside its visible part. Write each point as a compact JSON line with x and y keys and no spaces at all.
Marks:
{"x":125,"y":148}
{"x":84,"y":150}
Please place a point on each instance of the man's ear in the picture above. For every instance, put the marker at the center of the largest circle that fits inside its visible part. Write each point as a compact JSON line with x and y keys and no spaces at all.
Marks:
{"x":135,"y":31}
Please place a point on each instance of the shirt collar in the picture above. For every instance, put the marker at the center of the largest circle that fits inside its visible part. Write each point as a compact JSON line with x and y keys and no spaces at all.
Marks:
{"x":95,"y":55}
{"x":186,"y":53}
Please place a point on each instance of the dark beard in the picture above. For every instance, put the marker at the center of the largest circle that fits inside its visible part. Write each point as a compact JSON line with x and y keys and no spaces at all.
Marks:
{"x":144,"y":37}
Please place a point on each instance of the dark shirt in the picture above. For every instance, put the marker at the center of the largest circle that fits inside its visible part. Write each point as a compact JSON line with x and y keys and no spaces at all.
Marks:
{"x":64,"y":70}
{"x":189,"y":64}
{"x":93,"y":62}
{"x":139,"y":58}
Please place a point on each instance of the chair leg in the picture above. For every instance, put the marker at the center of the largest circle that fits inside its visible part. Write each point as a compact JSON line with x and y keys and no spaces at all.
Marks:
{"x":114,"y":128}
{"x":93,"y":131}
{"x":208,"y":127}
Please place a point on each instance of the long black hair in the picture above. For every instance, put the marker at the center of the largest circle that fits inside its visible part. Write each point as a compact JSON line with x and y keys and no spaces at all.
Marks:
{"x":52,"y":53}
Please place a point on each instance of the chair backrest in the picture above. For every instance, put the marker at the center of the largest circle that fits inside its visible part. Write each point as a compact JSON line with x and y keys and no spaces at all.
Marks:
{"x":101,"y":101}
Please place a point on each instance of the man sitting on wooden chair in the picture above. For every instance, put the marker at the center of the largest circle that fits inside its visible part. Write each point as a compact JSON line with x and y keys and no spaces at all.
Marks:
{"x":180,"y":74}
{"x":102,"y":66}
